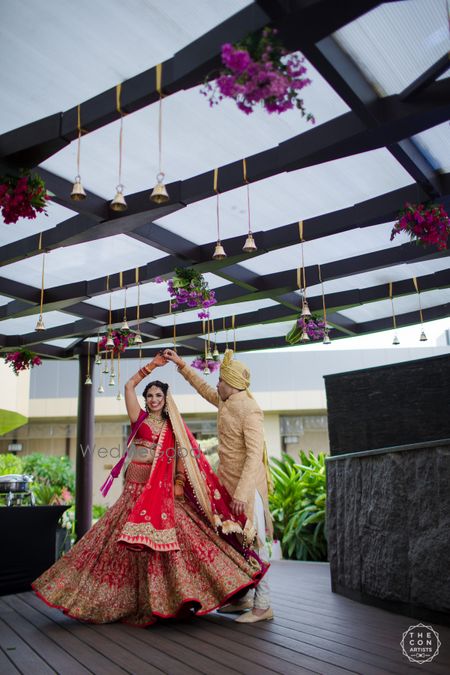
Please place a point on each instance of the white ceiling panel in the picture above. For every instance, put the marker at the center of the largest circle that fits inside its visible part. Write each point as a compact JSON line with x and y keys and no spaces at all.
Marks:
{"x":149,"y":293}
{"x":84,"y":261}
{"x":407,"y":303}
{"x":325,"y":250}
{"x":288,"y":197}
{"x":216,"y":313}
{"x":383,"y":276}
{"x":61,"y":343}
{"x":435,"y":145}
{"x":24,"y":228}
{"x":26,"y":324}
{"x":257,"y":332}
{"x":89,"y":47}
{"x":397,"y":41}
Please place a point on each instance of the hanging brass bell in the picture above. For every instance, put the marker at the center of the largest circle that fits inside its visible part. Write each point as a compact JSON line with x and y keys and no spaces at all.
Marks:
{"x":159,"y":193}
{"x":125,"y":325}
{"x":395,"y":341}
{"x":304,"y":337}
{"x":423,"y":337}
{"x":137,"y":338}
{"x":249,"y":246}
{"x":216,"y":353}
{"x":98,"y":360}
{"x":118,"y":203}
{"x":101,"y":389}
{"x":105,"y":370}
{"x":209,"y":355}
{"x":305,"y":309}
{"x":78,"y":192}
{"x":112,"y":381}
{"x":326,"y":339}
{"x":40,"y":323}
{"x":88,"y":380}
{"x":219,"y":252}
{"x":109,"y":342}
{"x":206,"y":370}
{"x":119,"y":396}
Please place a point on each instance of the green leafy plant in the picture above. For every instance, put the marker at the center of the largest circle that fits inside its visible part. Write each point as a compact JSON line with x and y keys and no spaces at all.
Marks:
{"x":98,"y":510}
{"x":50,"y":470}
{"x":297,"y":505}
{"x":45,"y":494}
{"x":10,"y":463}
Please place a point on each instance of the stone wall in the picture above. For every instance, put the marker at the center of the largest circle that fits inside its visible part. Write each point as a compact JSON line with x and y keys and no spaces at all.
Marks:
{"x":388,"y":524}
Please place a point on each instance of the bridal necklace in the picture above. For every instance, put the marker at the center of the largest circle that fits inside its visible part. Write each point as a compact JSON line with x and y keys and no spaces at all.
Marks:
{"x":156,"y":419}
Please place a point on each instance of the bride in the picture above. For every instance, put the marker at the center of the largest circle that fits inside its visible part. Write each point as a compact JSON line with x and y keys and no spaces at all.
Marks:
{"x":170,"y":545}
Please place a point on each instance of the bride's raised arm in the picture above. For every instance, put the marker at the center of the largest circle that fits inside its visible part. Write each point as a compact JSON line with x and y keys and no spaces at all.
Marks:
{"x":131,"y":400}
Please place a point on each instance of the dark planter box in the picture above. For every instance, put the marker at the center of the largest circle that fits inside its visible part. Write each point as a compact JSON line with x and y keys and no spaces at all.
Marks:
{"x":28,"y":536}
{"x":392,"y":405}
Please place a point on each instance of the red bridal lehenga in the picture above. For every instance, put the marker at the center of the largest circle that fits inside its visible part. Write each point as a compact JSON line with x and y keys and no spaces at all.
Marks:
{"x":153,"y":556}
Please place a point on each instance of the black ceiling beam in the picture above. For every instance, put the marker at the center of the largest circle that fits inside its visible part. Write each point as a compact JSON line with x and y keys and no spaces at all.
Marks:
{"x":349,"y":82}
{"x":335,"y":302}
{"x":367,"y":213}
{"x":378,"y":325}
{"x":341,"y":137}
{"x":406,"y":319}
{"x":265,"y":286}
{"x":425,"y":79}
{"x":390,"y":257}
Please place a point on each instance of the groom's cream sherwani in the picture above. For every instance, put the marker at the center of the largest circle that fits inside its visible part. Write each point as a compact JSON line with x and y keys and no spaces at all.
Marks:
{"x":241,"y":443}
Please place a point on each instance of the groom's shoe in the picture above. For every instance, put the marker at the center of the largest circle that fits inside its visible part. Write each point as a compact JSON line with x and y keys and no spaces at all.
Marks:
{"x":250,"y":617}
{"x":237,"y":607}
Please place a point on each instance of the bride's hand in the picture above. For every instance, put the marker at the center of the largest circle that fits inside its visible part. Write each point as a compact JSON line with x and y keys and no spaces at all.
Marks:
{"x":171,"y":355}
{"x":158,"y":360}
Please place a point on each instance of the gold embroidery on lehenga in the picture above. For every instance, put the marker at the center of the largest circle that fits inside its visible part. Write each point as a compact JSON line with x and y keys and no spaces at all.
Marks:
{"x":147,"y":530}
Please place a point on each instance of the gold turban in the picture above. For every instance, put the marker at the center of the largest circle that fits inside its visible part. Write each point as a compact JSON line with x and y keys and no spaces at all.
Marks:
{"x":235,"y":373}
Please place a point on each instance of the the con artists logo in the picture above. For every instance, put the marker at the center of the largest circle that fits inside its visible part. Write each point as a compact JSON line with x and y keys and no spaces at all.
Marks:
{"x":420,"y":643}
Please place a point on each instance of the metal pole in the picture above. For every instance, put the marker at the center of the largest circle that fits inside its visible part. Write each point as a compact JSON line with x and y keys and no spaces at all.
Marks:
{"x":84,"y":449}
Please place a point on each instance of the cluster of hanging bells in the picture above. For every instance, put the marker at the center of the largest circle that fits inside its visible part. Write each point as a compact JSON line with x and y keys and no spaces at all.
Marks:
{"x":159,"y":194}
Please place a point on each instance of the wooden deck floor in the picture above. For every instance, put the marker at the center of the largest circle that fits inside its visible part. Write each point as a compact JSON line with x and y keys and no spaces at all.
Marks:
{"x":314,"y":631}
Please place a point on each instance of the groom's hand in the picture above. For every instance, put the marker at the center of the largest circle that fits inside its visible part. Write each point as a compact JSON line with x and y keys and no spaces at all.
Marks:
{"x":237,"y":507}
{"x":170,"y":355}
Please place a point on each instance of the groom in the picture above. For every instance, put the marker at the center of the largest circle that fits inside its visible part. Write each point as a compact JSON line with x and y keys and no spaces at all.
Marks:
{"x":241,"y":467}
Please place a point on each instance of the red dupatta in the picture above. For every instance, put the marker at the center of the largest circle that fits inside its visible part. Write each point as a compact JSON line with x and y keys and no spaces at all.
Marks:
{"x":151,"y":523}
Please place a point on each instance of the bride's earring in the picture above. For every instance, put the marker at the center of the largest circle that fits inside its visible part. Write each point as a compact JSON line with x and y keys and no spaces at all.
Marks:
{"x":147,"y":409}
{"x":166,"y":410}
